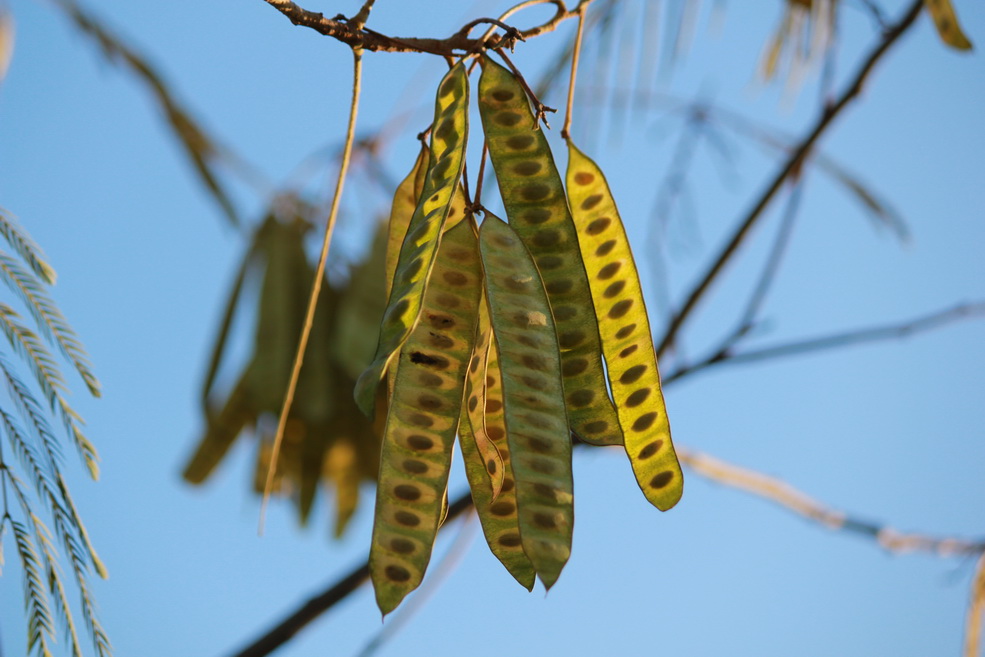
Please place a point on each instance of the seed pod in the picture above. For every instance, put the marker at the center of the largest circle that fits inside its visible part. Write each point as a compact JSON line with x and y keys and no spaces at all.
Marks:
{"x":947,"y":24}
{"x":402,"y":210}
{"x":417,"y":254}
{"x":534,"y":198}
{"x":628,"y":346}
{"x":475,"y":395}
{"x":533,"y":398}
{"x":422,"y":420}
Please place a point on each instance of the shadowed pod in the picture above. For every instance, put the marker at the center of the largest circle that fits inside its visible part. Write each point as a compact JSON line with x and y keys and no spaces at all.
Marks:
{"x":533,"y":398}
{"x":627,"y":344}
{"x":535,"y":204}
{"x":423,"y":419}
{"x":420,"y":245}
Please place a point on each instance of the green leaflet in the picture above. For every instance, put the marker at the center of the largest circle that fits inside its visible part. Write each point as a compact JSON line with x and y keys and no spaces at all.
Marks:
{"x":533,"y":398}
{"x":422,"y":420}
{"x":629,"y":356}
{"x":417,"y":254}
{"x":947,"y":24}
{"x":475,"y":394}
{"x":534,"y":198}
{"x":402,"y":210}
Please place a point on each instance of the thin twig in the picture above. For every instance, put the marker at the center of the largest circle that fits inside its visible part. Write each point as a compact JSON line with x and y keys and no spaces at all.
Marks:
{"x":790,"y":167}
{"x":357,"y":67}
{"x":540,"y":109}
{"x":575,"y":54}
{"x":482,"y":174}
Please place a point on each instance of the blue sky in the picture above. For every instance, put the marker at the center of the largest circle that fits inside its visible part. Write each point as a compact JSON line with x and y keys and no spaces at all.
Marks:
{"x":890,"y":432}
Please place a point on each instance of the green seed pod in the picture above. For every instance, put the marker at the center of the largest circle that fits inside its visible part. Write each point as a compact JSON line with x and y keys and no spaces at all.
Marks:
{"x":533,"y":398}
{"x":629,"y":357}
{"x":420,"y":245}
{"x":535,"y":204}
{"x":405,"y":201}
{"x":422,"y":420}
{"x":475,"y":395}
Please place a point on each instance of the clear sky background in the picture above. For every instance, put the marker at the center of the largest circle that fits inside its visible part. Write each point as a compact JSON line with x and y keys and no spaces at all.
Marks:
{"x":890,"y":432}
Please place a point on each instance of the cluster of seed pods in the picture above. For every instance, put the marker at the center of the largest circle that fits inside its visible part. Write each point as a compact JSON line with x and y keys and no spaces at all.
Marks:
{"x":518,"y":337}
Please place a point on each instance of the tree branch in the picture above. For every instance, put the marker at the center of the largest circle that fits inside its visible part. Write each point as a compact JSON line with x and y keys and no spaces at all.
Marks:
{"x":791,"y":166}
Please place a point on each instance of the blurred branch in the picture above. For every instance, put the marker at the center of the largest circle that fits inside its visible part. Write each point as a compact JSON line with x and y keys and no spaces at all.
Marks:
{"x":976,"y":612}
{"x":724,"y":355}
{"x":790,"y":167}
{"x":782,"y":493}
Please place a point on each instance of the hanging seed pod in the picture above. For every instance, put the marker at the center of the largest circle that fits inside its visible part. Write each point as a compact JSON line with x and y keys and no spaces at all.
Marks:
{"x":417,"y":254}
{"x":533,"y":398}
{"x":222,"y":430}
{"x":626,"y":340}
{"x":422,"y":420}
{"x":475,"y":396}
{"x":946,"y":22}
{"x":535,"y":204}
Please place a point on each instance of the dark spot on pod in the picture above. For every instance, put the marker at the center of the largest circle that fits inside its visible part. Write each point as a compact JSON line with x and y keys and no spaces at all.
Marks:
{"x":455,"y":278}
{"x":542,"y":466}
{"x":440,"y":170}
{"x":614,"y":289}
{"x":397,"y":310}
{"x":650,"y":449}
{"x":430,"y":402}
{"x":491,"y":466}
{"x":574,"y":366}
{"x":605,"y":248}
{"x":448,"y":86}
{"x":429,"y":380}
{"x":564,"y":313}
{"x":407,"y":492}
{"x":446,"y":300}
{"x":549,"y":262}
{"x":598,"y":225}
{"x":441,"y":321}
{"x":591,"y":201}
{"x":535,"y":382}
{"x":596,"y":427}
{"x":536,"y":215}
{"x":459,"y":255}
{"x":633,"y":374}
{"x":508,"y":485}
{"x":628,"y":351}
{"x":397,"y":573}
{"x":419,"y":442}
{"x":437,"y":362}
{"x":584,"y":178}
{"x":545,"y":490}
{"x":440,"y":341}
{"x":535,"y":192}
{"x":407,"y":519}
{"x":420,"y":420}
{"x":581,"y":397}
{"x":537,"y":421}
{"x":570,"y":339}
{"x":503,"y":95}
{"x":401,"y":546}
{"x":620,"y":308}
{"x":413,"y":466}
{"x":528,"y":168}
{"x":637,"y":397}
{"x":644,"y":422}
{"x":504,"y":240}
{"x":661,"y":479}
{"x":529,"y":341}
{"x":507,"y":118}
{"x":544,"y":521}
{"x":535,"y":362}
{"x":609,"y":270}
{"x":562,"y":286}
{"x":446,"y":129}
{"x":520,"y":142}
{"x":509,"y":540}
{"x":540,"y":445}
{"x":474,"y":365}
{"x":493,"y":405}
{"x":473,"y":402}
{"x":411,"y":270}
{"x":625,"y":331}
{"x":502,"y":508}
{"x":452,"y":212}
{"x":490,"y":381}
{"x":495,"y":433}
{"x":434,"y":199}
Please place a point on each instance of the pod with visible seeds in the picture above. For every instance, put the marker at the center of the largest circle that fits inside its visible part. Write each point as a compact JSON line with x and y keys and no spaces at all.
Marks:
{"x":402,"y":209}
{"x":626,"y":340}
{"x":533,"y":398}
{"x":420,"y":244}
{"x":475,"y":401}
{"x":535,"y":204}
{"x":422,"y":420}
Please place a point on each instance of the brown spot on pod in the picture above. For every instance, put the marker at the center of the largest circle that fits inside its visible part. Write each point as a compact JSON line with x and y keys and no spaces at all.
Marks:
{"x":397,"y":573}
{"x":535,"y":192}
{"x":430,"y":402}
{"x":542,"y":466}
{"x":534,"y":362}
{"x":429,"y":380}
{"x":539,"y":445}
{"x":609,"y":270}
{"x":536,"y":215}
{"x":509,"y":540}
{"x":581,"y":397}
{"x":502,"y":508}
{"x":574,"y":366}
{"x":584,"y":178}
{"x":491,"y":466}
{"x":637,"y":397}
{"x":402,"y":546}
{"x":493,"y":405}
{"x":528,"y":168}
{"x":441,"y":321}
{"x":507,"y":118}
{"x":650,"y":449}
{"x":406,"y":518}
{"x":548,"y":262}
{"x":544,"y":521}
{"x":644,"y":422}
{"x":449,"y":301}
{"x":625,"y":331}
{"x":629,"y":351}
{"x":591,"y":201}
{"x":596,"y":427}
{"x":437,"y":362}
{"x":503,"y":95}
{"x":545,"y":490}
{"x":495,"y":433}
{"x":520,"y":142}
{"x":413,"y":466}
{"x":613,"y":289}
{"x":633,"y":374}
{"x":605,"y":248}
{"x":440,"y":341}
{"x":407,"y":492}
{"x":473,"y":402}
{"x":564,"y":313}
{"x":598,"y":225}
{"x":419,"y":442}
{"x":620,"y":308}
{"x":455,"y":278}
{"x":508,"y":485}
{"x":570,"y":339}
{"x":420,"y":420}
{"x":562,"y":286}
{"x":662,"y":479}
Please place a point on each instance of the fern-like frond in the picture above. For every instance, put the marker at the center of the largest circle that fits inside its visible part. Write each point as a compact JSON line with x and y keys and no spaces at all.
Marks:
{"x":39,"y":622}
{"x":33,"y":415}
{"x":27,"y":344}
{"x":25,"y":247}
{"x":50,"y":320}
{"x":56,"y":588}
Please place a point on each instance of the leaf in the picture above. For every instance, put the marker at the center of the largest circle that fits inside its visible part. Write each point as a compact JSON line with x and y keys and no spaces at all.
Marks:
{"x":626,"y":340}
{"x":22,"y":243}
{"x":417,"y":254}
{"x":533,"y":398}
{"x":39,"y":623}
{"x":534,"y":198}
{"x":422,"y":420}
{"x":946,"y":22}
